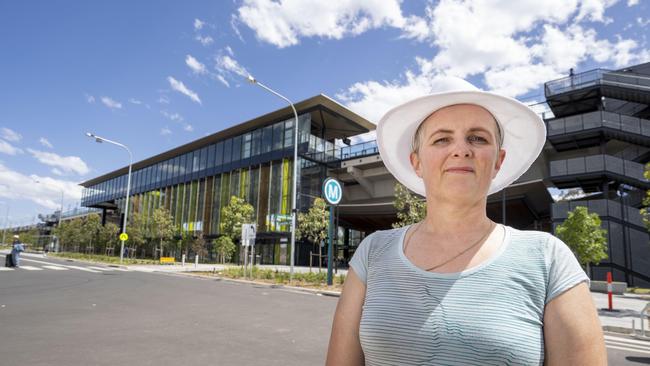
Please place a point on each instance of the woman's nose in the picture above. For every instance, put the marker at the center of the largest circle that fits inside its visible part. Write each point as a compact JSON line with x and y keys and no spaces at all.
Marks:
{"x":462,"y":149}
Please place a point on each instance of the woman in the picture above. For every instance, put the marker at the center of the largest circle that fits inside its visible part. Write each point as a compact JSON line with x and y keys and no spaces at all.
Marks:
{"x":457,"y":288}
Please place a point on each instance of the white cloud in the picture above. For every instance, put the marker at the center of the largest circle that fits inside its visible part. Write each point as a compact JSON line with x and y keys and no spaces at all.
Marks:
{"x":181,"y":88}
{"x":195,"y":65}
{"x":89,"y":98}
{"x":10,"y":135}
{"x":9,"y":149}
{"x":45,"y":142}
{"x":204,"y":40}
{"x":632,"y":2}
{"x":135,"y":101}
{"x":223,"y":80}
{"x":65,"y":163}
{"x":57,"y":171}
{"x":514,"y":48}
{"x":283,"y":22}
{"x":172,"y":116}
{"x":165,"y":131}
{"x":110,"y":103}
{"x":198,"y":24}
{"x":44,"y":191}
{"x":163,"y":100}
{"x":188,"y":128}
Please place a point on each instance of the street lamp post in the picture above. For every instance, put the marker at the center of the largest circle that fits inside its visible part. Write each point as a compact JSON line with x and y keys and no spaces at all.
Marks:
{"x":128,"y":185}
{"x":252,"y":80}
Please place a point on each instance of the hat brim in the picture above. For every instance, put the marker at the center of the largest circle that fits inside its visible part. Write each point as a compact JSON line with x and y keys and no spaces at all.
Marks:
{"x":524,"y":134}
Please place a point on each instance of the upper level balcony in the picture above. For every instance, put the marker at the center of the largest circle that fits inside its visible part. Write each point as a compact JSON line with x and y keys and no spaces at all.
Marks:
{"x":589,"y":129}
{"x":589,"y":172}
{"x":585,"y":91}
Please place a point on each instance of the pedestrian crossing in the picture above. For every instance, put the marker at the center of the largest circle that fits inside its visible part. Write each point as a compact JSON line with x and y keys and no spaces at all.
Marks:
{"x":627,"y":344}
{"x":47,"y":266}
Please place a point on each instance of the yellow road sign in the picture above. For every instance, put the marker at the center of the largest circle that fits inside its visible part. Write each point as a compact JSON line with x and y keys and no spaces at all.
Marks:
{"x":124,"y":237}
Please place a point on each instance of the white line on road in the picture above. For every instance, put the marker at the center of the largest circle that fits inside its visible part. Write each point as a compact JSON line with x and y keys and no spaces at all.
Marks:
{"x":84,"y":269}
{"x":627,"y":340}
{"x":6,"y":269}
{"x":56,"y":268}
{"x":30,"y":268}
{"x":101,"y":268}
{"x":121,"y":269}
{"x":644,"y":351}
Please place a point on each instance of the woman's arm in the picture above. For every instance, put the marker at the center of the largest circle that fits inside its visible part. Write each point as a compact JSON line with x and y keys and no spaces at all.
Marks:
{"x":345,"y":348}
{"x":572,"y":331}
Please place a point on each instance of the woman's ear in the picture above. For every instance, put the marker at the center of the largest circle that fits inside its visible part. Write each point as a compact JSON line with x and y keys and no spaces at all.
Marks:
{"x":415,"y":163}
{"x":501,"y":156}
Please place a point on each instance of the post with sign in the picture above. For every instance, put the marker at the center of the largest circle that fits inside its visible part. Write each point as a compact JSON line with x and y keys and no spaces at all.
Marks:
{"x":333,"y":193}
{"x":248,"y":239}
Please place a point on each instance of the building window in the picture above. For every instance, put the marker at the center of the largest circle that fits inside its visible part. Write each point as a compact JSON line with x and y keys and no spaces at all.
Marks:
{"x":210,"y":163}
{"x":278,"y":135}
{"x":227,"y":151}
{"x":236,"y":149}
{"x":247,"y":145}
{"x":267,"y":139}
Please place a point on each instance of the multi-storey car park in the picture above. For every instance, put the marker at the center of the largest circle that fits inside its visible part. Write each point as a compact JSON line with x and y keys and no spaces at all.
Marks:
{"x":598,"y":140}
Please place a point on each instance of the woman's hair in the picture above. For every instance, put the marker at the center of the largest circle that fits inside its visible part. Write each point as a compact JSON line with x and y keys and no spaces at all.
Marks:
{"x":417,"y":137}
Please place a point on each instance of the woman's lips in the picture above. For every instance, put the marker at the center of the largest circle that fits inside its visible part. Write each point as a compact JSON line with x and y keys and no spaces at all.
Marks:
{"x":460,"y":170}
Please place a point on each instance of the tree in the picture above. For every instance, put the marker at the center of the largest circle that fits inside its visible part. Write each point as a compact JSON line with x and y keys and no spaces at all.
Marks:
{"x":236,"y":213}
{"x":645,"y":215}
{"x":582,"y":233}
{"x":90,"y":227}
{"x":108,"y":235}
{"x":29,"y":237}
{"x":162,"y":226}
{"x":224,"y":248}
{"x":313,"y":225}
{"x":199,"y":246}
{"x":136,"y":230}
{"x":410,"y":208}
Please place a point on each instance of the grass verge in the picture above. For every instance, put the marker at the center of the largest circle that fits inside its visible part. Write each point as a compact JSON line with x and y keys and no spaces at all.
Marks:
{"x":101,"y":258}
{"x":314,"y":280}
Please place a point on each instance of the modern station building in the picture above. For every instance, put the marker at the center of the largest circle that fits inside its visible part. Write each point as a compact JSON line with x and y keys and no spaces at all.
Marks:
{"x":598,"y":140}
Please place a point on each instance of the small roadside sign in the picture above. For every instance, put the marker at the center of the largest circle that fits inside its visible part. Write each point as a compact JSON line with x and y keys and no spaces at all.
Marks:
{"x":124,"y":237}
{"x":248,"y":232}
{"x":332,"y":191}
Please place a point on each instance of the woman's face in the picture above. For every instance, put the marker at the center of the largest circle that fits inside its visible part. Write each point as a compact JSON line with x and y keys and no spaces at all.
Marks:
{"x":459,"y":153}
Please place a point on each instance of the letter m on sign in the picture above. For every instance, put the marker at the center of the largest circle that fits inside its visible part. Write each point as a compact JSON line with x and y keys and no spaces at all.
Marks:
{"x":333,"y":192}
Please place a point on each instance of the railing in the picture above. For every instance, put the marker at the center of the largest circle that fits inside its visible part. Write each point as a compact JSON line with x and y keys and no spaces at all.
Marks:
{"x":598,"y":119}
{"x":597,"y":163}
{"x":359,"y":150}
{"x":595,"y":77}
{"x":602,"y":207}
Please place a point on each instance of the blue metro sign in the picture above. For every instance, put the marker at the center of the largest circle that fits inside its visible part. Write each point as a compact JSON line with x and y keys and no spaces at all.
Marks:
{"x":332,"y":191}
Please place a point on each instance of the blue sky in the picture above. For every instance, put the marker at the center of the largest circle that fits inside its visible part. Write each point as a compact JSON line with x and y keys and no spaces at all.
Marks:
{"x":157,"y":74}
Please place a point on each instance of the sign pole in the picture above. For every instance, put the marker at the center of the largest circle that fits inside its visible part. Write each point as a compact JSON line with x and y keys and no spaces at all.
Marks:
{"x":330,"y":235}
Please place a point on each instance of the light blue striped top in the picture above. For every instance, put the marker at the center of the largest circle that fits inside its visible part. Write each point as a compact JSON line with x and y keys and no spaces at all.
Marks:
{"x":491,"y":314}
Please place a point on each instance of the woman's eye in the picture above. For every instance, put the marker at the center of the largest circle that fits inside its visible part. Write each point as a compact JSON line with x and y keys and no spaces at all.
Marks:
{"x":444,"y":139}
{"x":477,"y":138}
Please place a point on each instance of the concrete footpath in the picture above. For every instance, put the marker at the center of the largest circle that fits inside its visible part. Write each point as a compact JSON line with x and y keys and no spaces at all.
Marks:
{"x":624,"y":319}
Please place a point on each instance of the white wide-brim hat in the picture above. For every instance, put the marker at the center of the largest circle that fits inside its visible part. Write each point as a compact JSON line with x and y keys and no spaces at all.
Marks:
{"x":523,"y":131}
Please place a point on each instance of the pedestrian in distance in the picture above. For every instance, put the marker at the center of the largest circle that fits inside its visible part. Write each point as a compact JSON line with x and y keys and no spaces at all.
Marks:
{"x":457,"y":288}
{"x":16,"y":249}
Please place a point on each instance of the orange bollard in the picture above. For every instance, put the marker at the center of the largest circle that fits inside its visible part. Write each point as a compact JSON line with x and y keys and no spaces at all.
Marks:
{"x":609,"y":290}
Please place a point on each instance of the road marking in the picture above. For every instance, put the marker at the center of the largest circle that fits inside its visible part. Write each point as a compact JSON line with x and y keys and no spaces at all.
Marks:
{"x":30,"y":268}
{"x":627,"y":340}
{"x":84,"y":269}
{"x":56,"y":268}
{"x":143,"y":269}
{"x":644,"y":351}
{"x":121,"y":269}
{"x":101,"y":268}
{"x":6,"y":269}
{"x":644,"y":348}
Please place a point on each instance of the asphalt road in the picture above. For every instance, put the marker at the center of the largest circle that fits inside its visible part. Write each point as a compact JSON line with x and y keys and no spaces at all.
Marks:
{"x":76,"y":317}
{"x":56,"y":312}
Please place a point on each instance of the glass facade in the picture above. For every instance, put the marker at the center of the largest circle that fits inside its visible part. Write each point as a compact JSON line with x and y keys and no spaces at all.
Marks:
{"x":195,"y":186}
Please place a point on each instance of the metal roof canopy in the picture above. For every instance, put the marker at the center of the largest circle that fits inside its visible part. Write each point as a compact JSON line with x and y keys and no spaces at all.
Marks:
{"x":330,"y":120}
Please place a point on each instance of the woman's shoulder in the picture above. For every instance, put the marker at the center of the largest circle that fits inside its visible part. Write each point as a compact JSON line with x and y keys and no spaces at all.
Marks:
{"x":535,"y":239}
